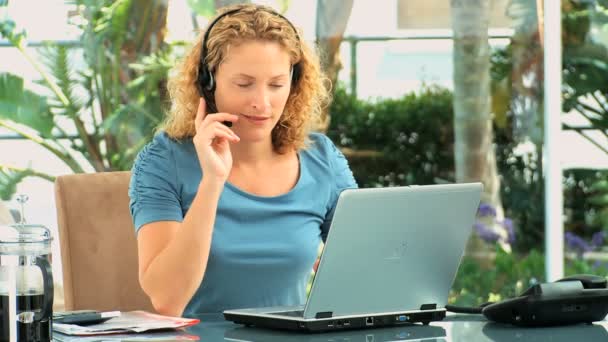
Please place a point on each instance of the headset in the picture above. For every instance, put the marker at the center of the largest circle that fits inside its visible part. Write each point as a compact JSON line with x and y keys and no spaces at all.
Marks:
{"x":205,"y":82}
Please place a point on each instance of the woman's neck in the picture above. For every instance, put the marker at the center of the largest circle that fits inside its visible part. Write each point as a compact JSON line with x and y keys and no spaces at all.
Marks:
{"x":252,"y":153}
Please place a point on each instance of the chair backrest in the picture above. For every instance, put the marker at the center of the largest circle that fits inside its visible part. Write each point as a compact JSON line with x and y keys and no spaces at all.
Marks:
{"x":98,"y":243}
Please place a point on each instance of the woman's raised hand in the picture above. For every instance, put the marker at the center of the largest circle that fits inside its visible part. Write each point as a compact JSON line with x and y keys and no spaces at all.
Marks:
{"x":212,"y":142}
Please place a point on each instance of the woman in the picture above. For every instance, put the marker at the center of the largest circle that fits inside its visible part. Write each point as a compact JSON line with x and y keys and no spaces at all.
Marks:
{"x":232,"y":217}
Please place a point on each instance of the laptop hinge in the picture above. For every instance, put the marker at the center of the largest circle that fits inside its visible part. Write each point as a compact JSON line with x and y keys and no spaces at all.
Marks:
{"x":428,"y":307}
{"x":325,"y":314}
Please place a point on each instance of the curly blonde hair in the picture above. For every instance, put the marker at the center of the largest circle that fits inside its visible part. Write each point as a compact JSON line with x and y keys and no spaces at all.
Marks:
{"x":251,"y":22}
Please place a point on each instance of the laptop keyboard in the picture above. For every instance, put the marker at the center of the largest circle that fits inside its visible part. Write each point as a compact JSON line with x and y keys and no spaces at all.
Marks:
{"x":295,"y":313}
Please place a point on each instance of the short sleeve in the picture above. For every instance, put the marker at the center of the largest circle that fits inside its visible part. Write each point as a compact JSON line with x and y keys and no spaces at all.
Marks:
{"x":342,"y":179}
{"x":153,"y":190}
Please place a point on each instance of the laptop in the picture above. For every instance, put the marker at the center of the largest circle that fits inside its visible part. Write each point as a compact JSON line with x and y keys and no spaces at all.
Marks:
{"x":390,"y":258}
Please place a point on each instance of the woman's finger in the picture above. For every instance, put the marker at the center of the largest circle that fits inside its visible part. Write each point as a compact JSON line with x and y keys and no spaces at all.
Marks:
{"x":200,"y":114}
{"x":220,"y":117}
{"x":219,"y":134}
{"x":226,"y":129}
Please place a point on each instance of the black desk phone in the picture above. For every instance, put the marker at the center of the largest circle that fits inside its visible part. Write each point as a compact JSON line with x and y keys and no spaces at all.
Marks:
{"x":580,"y":298}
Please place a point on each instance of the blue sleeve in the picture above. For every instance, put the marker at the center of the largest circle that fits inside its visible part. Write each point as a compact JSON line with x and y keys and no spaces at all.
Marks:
{"x":342,"y":179}
{"x":153,"y":190}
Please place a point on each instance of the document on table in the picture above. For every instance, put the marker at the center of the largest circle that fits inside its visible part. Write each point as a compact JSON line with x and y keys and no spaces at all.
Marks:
{"x":127,"y":322}
{"x":148,"y":336}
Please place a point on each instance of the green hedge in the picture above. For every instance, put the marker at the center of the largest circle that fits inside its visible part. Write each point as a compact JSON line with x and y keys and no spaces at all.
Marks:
{"x":412,"y":137}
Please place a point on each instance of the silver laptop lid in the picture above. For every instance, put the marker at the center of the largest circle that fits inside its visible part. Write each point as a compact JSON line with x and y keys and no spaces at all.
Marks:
{"x":393,"y":249}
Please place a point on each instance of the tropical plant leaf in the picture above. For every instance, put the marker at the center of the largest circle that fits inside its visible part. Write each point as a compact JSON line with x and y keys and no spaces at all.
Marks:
{"x":122,"y":101}
{"x":7,"y":31}
{"x":104,"y":31}
{"x":11,"y":176}
{"x":585,"y":75}
{"x":23,"y":106}
{"x":131,"y":123}
{"x":113,"y":22}
{"x":56,"y":58}
{"x":9,"y":180}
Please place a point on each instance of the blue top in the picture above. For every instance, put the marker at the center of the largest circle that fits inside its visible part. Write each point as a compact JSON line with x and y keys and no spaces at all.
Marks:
{"x":263,"y":248}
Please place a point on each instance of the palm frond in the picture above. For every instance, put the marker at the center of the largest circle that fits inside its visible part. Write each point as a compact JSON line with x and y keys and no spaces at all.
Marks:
{"x":23,"y":106}
{"x":8,"y":182}
{"x":104,"y":29}
{"x":11,"y":176}
{"x":150,"y":71}
{"x":8,"y":31}
{"x":57,"y":60}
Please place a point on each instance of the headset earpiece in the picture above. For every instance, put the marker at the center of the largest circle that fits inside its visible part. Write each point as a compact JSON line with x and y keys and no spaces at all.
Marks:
{"x":201,"y":80}
{"x":210,"y":82}
{"x":296,"y":71}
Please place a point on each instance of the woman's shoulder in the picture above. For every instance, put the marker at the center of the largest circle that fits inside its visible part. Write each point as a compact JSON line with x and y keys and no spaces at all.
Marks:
{"x":162,"y":146}
{"x":162,"y":154}
{"x":321,"y":148}
{"x":158,"y":148}
{"x":329,"y":160}
{"x":319,"y":142}
{"x":164,"y":140}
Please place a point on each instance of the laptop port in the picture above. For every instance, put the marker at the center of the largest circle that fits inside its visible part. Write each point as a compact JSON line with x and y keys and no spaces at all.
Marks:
{"x":346,"y":323}
{"x":402,"y":318}
{"x":369,"y":321}
{"x":338,"y":323}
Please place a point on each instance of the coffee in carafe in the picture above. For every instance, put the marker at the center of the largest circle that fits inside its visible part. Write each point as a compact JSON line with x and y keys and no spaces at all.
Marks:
{"x":23,"y":331}
{"x":26,"y":283}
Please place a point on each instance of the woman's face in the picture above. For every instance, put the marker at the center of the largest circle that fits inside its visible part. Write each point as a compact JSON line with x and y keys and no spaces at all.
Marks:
{"x":253,"y":82}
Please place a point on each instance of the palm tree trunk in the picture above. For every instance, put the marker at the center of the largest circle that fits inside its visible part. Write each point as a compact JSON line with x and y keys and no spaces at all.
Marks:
{"x":475,"y":158}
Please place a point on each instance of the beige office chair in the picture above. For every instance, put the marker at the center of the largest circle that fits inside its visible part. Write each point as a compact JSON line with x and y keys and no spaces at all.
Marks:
{"x":98,"y":243}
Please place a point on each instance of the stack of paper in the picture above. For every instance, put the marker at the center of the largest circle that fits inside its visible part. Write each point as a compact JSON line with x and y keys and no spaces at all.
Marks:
{"x":152,"y":336}
{"x":127,"y":322}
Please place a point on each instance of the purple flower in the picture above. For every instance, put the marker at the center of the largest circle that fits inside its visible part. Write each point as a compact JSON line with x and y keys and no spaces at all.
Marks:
{"x":508,"y":224}
{"x":597,"y":240}
{"x":576,"y":243}
{"x":485,"y":233}
{"x":486,"y":210}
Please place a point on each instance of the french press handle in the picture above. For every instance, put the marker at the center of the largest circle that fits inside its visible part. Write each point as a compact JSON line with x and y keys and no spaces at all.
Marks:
{"x":47,"y":279}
